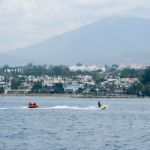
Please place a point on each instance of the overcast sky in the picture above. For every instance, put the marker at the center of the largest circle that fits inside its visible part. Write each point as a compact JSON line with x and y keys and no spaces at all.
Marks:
{"x":23,"y":22}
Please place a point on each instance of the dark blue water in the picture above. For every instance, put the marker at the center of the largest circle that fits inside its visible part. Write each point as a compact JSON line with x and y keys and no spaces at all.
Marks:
{"x":74,"y":124}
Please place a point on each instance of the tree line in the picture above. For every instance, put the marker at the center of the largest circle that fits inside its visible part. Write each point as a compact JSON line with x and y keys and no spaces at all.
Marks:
{"x":139,"y":88}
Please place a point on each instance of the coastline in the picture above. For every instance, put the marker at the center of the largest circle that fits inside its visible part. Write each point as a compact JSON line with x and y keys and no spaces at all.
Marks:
{"x":71,"y":95}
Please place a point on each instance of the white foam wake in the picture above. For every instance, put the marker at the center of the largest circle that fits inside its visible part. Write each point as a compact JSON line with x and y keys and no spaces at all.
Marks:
{"x":73,"y":107}
{"x":5,"y":108}
{"x":55,"y":108}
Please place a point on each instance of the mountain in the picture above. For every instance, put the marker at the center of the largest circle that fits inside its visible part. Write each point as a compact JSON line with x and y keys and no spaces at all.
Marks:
{"x":6,"y":59}
{"x":112,"y":40}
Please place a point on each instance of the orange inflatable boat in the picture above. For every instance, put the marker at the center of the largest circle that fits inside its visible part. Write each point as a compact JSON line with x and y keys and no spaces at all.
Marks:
{"x":32,"y":105}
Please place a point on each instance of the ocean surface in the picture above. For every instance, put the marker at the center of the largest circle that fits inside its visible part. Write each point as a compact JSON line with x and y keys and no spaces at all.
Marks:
{"x":62,"y":123}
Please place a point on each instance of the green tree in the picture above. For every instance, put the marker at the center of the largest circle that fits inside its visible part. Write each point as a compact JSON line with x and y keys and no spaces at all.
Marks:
{"x":146,"y":90}
{"x":37,"y":86}
{"x":146,"y":76}
{"x":1,"y":90}
{"x":135,"y":88}
{"x":97,"y":78}
{"x":58,"y":88}
{"x":15,"y":83}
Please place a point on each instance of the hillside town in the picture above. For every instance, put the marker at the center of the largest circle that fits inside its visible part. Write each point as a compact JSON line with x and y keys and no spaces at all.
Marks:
{"x":84,"y":80}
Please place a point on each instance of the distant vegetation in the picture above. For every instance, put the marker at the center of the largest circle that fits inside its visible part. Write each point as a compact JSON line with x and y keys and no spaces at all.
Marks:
{"x":18,"y":75}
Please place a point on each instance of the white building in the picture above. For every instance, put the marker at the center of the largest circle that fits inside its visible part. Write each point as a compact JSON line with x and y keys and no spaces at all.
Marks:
{"x":2,"y":78}
{"x":132,"y":66}
{"x":73,"y":87}
{"x":84,"y":68}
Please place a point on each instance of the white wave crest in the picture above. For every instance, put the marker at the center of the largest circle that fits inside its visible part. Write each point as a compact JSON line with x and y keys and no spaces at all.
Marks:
{"x":59,"y":107}
{"x":74,"y":107}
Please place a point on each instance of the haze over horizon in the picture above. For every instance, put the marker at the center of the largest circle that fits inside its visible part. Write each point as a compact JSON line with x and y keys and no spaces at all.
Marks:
{"x":26,"y":22}
{"x":112,"y":40}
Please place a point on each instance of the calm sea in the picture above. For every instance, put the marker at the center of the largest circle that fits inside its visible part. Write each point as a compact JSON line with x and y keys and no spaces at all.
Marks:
{"x":74,"y":124}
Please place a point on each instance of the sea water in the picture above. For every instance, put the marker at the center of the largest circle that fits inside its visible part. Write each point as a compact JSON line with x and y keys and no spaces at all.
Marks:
{"x":62,"y":123}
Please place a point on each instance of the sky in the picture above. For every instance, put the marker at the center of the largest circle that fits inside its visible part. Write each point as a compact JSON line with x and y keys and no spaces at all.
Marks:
{"x":24,"y":22}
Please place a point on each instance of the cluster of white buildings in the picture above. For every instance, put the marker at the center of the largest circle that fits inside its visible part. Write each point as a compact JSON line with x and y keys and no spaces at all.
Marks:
{"x":118,"y":85}
{"x":132,"y":66}
{"x":122,"y":82}
{"x":71,"y":84}
{"x":86,"y":68}
{"x":95,"y":68}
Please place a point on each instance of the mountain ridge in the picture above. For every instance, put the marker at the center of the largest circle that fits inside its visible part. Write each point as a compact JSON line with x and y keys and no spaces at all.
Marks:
{"x":112,"y":40}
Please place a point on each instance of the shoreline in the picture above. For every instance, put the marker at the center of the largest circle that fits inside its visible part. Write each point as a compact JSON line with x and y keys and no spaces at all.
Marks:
{"x":72,"y":95}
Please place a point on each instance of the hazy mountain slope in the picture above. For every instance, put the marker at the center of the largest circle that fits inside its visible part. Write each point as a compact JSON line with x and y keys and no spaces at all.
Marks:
{"x":112,"y":40}
{"x":6,"y":59}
